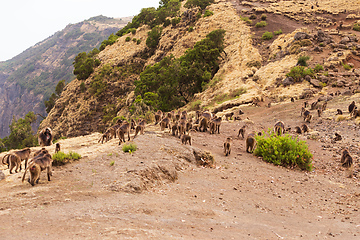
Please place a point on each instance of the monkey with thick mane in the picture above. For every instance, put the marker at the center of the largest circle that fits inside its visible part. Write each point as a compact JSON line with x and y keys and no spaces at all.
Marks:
{"x":279,"y":128}
{"x":45,"y":137}
{"x":41,"y":161}
{"x":346,"y":159}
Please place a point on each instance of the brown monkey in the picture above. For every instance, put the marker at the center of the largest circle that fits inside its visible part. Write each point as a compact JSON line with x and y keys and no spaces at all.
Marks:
{"x":346,"y":159}
{"x":242,"y":132}
{"x":298,"y":130}
{"x":39,"y":163}
{"x":182,"y":126}
{"x":57,"y":147}
{"x":24,"y":154}
{"x":227,"y":146}
{"x":306,"y":104}
{"x":203,"y":124}
{"x":229,"y":115}
{"x":292,"y":99}
{"x":111,"y":131}
{"x":13,"y":161}
{"x":323,"y":107}
{"x":241,"y":112}
{"x":250,"y":142}
{"x":122,"y":130}
{"x":174,"y":129}
{"x":279,"y":128}
{"x":165,"y":123}
{"x":314,"y":104}
{"x":105,"y":137}
{"x":207,"y":115}
{"x":45,"y":137}
{"x":189,"y":124}
{"x":132,"y":124}
{"x":308,"y":118}
{"x":178,"y":115}
{"x":319,"y":111}
{"x":140,"y":127}
{"x":355,"y":113}
{"x":337,"y":137}
{"x":158,"y":116}
{"x":305,"y":113}
{"x":186,"y":137}
{"x":351,"y":106}
{"x":212,"y":127}
{"x":339,"y":112}
{"x":304,"y":128}
{"x":217,"y":122}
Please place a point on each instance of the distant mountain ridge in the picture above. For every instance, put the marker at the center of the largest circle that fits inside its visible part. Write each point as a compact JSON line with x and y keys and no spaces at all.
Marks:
{"x":30,"y":77}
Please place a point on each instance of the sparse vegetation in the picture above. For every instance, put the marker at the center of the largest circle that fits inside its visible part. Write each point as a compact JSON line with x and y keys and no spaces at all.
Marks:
{"x":346,"y":66}
{"x":129,"y":147}
{"x":302,"y":60}
{"x":261,"y":24}
{"x":278,"y":32}
{"x":267,"y":35}
{"x":246,"y":19}
{"x":263,"y":17}
{"x":283,"y":150}
{"x":112,"y":163}
{"x":190,"y":29}
{"x":208,"y":13}
{"x":195,"y":105}
{"x":60,"y":158}
{"x":58,"y":90}
{"x":84,"y":64}
{"x":318,"y":68}
{"x":356,"y":27}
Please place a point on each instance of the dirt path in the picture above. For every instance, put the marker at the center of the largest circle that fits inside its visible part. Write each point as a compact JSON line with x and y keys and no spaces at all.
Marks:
{"x":158,"y":191}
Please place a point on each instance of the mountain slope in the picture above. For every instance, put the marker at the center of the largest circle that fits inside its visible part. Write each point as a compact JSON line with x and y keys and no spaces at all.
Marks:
{"x":29,"y":78}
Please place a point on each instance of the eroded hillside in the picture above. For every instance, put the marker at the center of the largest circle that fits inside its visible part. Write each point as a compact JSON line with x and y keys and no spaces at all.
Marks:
{"x":252,"y":70}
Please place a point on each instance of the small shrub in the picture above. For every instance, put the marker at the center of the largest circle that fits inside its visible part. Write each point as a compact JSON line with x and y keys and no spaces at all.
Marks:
{"x":175,"y":21}
{"x":208,"y":13}
{"x":283,"y":150}
{"x":278,"y":32}
{"x":112,"y":163}
{"x":134,"y":39}
{"x":138,"y":41}
{"x":298,"y":72}
{"x":82,"y":87}
{"x":253,"y":16}
{"x":261,"y":24}
{"x":267,"y":35}
{"x":127,"y":39}
{"x":60,"y":158}
{"x":237,"y":92}
{"x":246,"y":19}
{"x":254,"y":63}
{"x":356,"y":27}
{"x":263,"y":17}
{"x":129,"y":147}
{"x":346,"y":66}
{"x":302,"y":61}
{"x":326,"y":73}
{"x":318,"y":68}
{"x":190,"y":29}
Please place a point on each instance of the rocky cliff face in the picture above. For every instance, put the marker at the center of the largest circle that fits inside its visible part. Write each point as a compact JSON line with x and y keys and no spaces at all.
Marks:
{"x":249,"y":63}
{"x":28,"y":79}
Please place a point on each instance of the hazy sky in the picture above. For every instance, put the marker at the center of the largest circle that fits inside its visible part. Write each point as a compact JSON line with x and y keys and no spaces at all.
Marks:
{"x":23,"y":23}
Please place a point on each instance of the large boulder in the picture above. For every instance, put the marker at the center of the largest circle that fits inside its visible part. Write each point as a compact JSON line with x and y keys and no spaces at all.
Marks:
{"x":301,"y":36}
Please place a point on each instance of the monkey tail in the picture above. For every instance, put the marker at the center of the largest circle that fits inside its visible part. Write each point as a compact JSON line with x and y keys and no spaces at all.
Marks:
{"x":29,"y":166}
{"x":3,"y":159}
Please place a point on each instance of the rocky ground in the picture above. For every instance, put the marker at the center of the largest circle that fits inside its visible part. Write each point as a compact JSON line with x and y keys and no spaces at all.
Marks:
{"x":159,"y":191}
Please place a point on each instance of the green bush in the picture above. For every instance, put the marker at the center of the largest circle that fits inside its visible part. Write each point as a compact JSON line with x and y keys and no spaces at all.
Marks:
{"x":278,"y":32}
{"x":127,"y":39}
{"x":190,"y":29}
{"x":138,"y":41}
{"x":267,"y":35}
{"x":82,"y":87}
{"x":208,"y":13}
{"x":263,"y":17}
{"x":318,"y":68}
{"x":346,"y":66}
{"x":298,"y":72}
{"x":261,"y":24}
{"x":175,"y":21}
{"x":302,"y":60}
{"x":153,"y":37}
{"x":60,"y":158}
{"x":356,"y":27}
{"x":129,"y":147}
{"x":246,"y":19}
{"x":198,"y":3}
{"x":283,"y":150}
